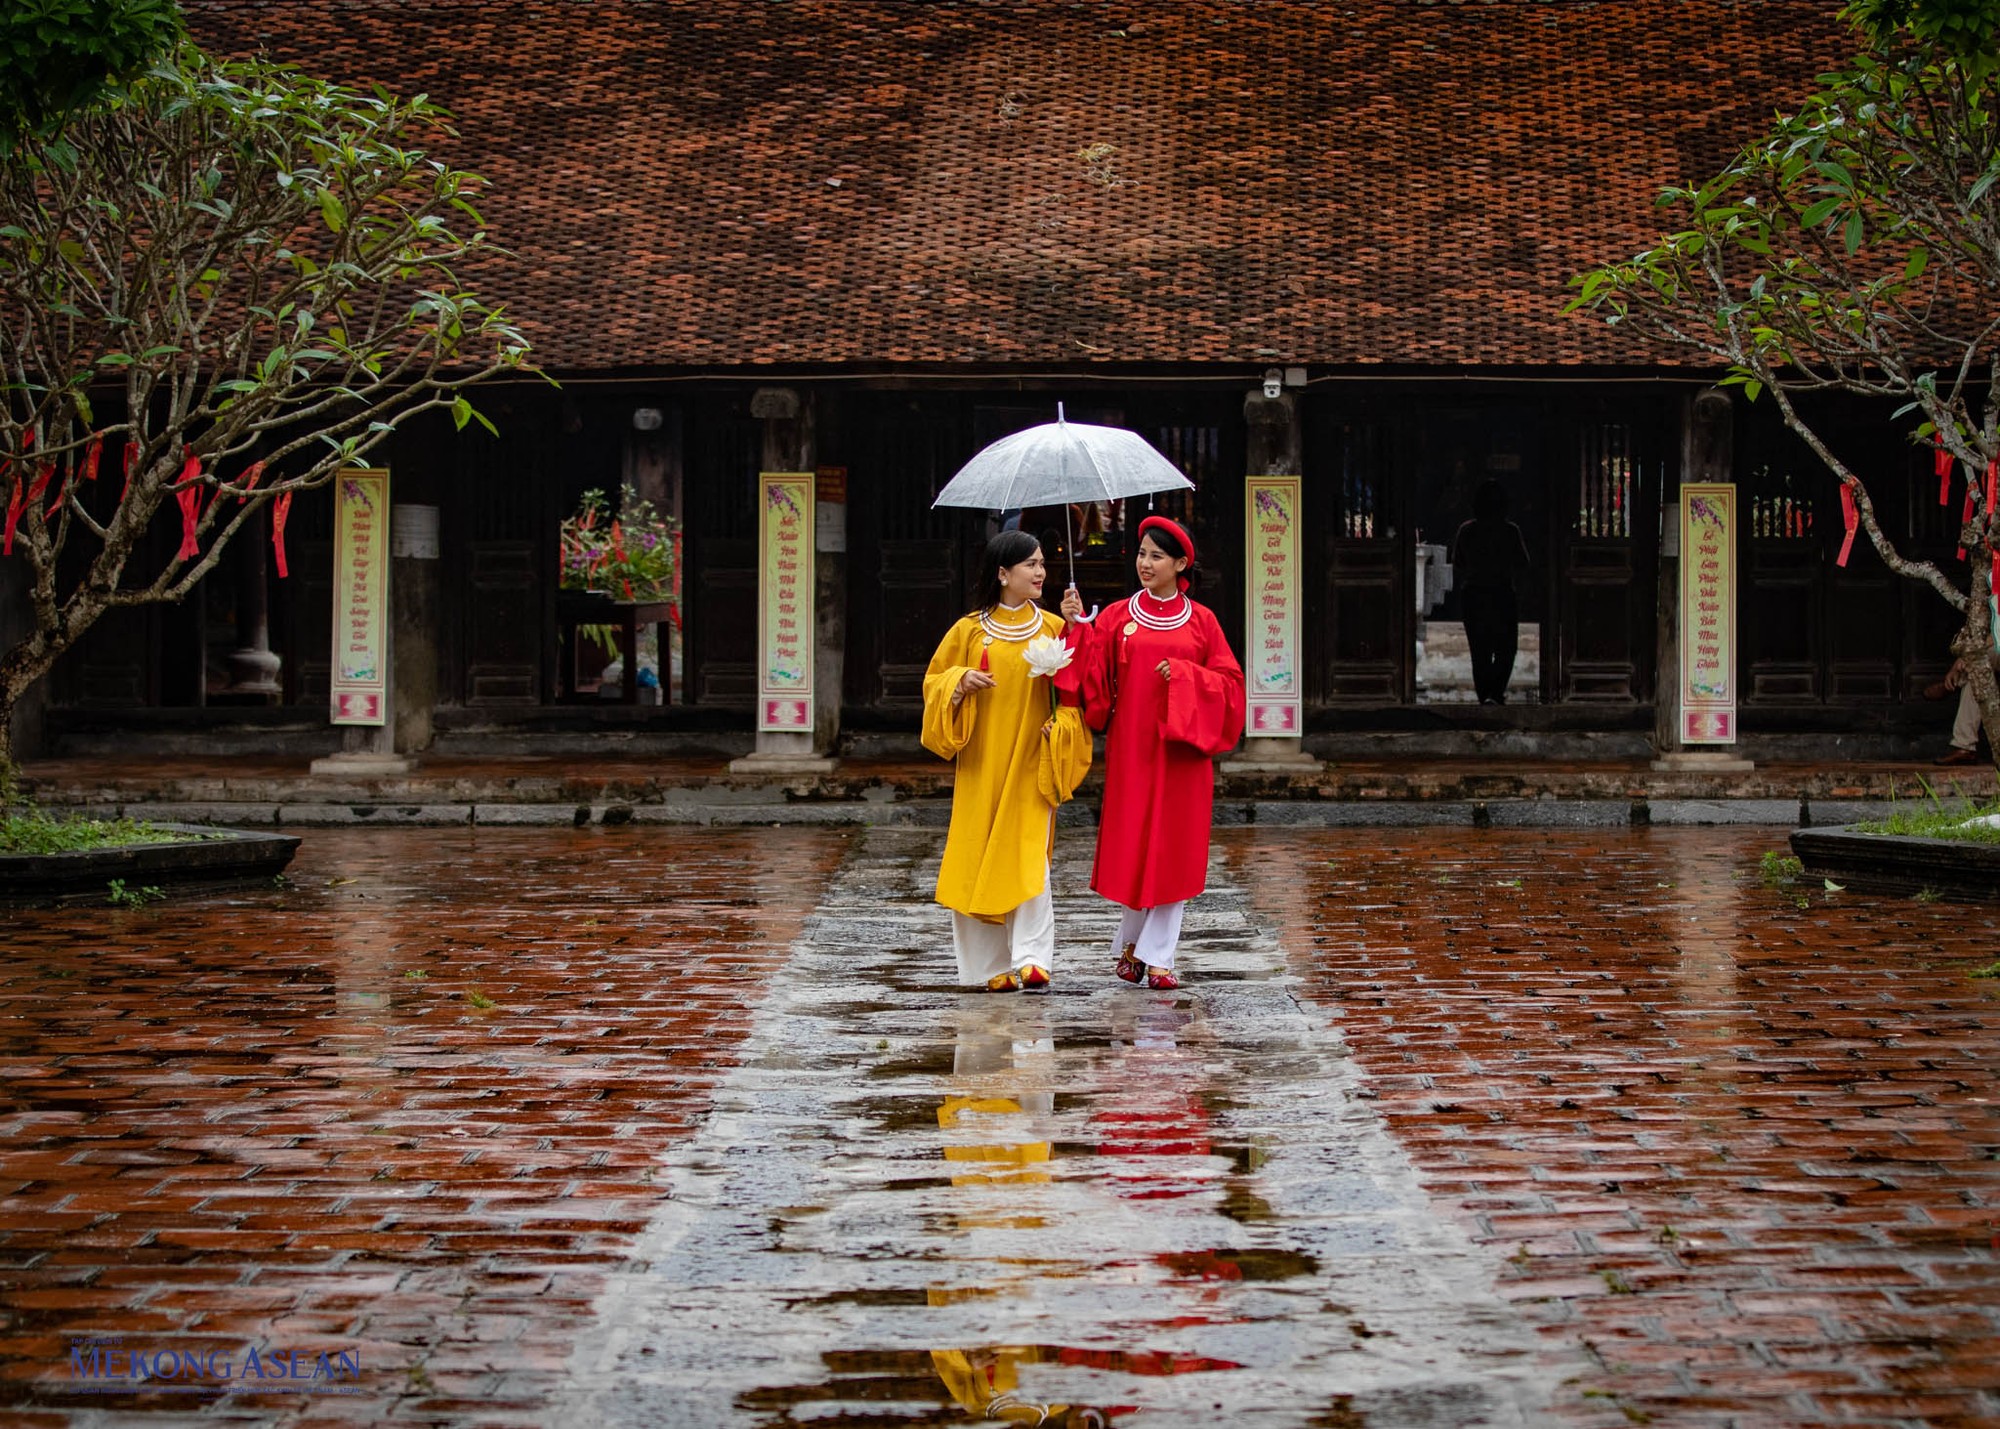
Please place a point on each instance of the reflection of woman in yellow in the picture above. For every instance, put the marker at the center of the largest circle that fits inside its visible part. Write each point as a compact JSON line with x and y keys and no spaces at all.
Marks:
{"x":995,"y":1100}
{"x":983,"y":1382}
{"x":987,"y":710}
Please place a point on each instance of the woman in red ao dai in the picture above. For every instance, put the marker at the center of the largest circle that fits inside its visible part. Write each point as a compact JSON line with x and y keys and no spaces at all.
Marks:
{"x":1160,"y":680}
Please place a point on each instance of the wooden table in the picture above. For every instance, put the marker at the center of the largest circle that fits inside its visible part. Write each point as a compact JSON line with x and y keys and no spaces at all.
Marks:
{"x":574,"y":608}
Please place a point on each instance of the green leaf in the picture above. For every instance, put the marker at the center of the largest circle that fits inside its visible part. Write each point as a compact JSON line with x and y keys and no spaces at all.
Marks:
{"x":1819,"y":213}
{"x":461,"y":412}
{"x":332,"y":210}
{"x":1855,"y":231}
{"x":1919,"y":260}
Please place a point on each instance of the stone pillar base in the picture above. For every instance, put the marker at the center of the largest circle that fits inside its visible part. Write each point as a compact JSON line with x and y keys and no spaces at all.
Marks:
{"x":1267,"y":754}
{"x":1703,"y":764}
{"x":782,"y":764}
{"x":363,"y":763}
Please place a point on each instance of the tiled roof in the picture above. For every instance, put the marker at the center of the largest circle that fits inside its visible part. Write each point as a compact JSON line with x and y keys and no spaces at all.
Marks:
{"x":1038,"y":181}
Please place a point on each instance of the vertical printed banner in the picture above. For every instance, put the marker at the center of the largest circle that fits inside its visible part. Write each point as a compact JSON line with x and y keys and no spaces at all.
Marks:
{"x":1271,"y":622}
{"x":1708,"y":613}
{"x":785,"y":601}
{"x":360,"y":691}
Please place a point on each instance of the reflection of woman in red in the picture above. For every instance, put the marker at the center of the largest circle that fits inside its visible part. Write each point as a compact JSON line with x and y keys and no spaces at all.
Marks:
{"x":1159,"y":677}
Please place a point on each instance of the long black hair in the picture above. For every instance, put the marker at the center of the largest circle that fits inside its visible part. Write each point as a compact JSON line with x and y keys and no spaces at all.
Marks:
{"x":1168,"y":542}
{"x":1009,"y":548}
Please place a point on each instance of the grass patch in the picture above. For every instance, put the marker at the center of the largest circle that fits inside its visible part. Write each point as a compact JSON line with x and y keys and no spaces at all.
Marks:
{"x":30,"y":831}
{"x":1778,"y":870}
{"x":1935,"y":817}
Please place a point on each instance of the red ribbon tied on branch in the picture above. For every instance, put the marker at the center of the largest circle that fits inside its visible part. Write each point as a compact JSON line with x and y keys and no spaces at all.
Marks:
{"x":250,"y":480}
{"x":188,"y":494}
{"x":1993,"y":519}
{"x":280,"y":509}
{"x":1941,"y":462}
{"x":16,"y":504}
{"x":1851,"y":514}
{"x":91,"y":455}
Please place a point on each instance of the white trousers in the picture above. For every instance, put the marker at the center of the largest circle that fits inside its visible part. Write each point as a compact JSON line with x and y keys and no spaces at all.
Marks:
{"x":1026,"y":935}
{"x":1965,"y":729}
{"x":1155,"y":931}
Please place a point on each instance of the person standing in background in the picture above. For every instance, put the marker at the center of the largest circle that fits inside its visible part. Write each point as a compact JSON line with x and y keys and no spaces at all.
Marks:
{"x":1488,"y":554}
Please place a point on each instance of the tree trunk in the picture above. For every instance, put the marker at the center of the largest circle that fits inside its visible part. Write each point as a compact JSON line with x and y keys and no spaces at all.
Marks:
{"x":18,"y":673}
{"x":9,"y":781}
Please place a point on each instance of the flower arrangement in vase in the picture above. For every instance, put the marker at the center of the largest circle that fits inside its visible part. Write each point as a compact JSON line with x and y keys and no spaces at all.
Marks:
{"x":633,"y":555}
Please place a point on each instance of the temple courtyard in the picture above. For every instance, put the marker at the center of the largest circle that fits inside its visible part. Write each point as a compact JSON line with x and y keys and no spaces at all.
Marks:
{"x":664,"y":1125}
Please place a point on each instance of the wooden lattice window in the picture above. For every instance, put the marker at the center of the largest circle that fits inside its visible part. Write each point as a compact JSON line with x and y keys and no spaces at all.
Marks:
{"x":1607,"y":481}
{"x":1361,"y":457}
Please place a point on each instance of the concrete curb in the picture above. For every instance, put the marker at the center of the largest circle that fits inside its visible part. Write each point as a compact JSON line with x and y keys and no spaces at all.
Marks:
{"x":1545,"y":813}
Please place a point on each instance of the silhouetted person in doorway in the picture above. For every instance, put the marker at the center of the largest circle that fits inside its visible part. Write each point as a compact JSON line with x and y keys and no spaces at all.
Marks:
{"x":1486,"y":554}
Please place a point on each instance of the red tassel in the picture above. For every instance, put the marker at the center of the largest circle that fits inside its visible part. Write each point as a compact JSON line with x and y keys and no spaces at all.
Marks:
{"x":280,"y":509}
{"x":983,"y":668}
{"x":250,"y":479}
{"x":1941,"y":462}
{"x":62,"y":488}
{"x":16,"y":504}
{"x":90,"y":456}
{"x":1852,"y":516}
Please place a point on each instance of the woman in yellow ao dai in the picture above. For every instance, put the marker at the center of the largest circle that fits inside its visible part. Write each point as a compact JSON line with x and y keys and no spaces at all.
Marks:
{"x":987,"y":710}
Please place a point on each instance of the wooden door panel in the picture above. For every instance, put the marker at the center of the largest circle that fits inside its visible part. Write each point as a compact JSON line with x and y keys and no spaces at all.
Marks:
{"x":1601,"y":623}
{"x":1357,"y":639}
{"x":1863,"y":617}
{"x":1604,"y":645}
{"x":1362,"y":634}
{"x":725,"y":620}
{"x":503,"y":624}
{"x":308,"y":651}
{"x":920,"y":598}
{"x":1781,"y":643}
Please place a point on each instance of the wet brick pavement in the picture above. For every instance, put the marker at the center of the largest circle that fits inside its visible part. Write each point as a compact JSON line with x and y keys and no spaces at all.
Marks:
{"x":1104,"y":1204}
{"x":1458,"y":1127}
{"x":1747,"y":1153}
{"x":410,"y":1108}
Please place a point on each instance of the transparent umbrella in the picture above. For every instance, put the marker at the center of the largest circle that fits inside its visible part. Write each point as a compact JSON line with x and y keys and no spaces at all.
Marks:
{"x":1060,"y":462}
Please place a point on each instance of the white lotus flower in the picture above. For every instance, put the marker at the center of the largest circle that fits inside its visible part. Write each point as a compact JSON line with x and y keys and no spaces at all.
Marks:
{"x":1046,"y":654}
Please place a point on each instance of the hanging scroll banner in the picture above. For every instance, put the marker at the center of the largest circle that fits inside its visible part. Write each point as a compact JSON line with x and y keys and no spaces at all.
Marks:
{"x":1708,"y":613}
{"x":1271,"y":606}
{"x":785,"y":601}
{"x":360,"y":687}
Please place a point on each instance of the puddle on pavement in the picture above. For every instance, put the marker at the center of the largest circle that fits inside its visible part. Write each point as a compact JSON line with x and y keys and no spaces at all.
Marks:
{"x":934,"y":1060}
{"x":951,"y":1386}
{"x":1247,"y":1263}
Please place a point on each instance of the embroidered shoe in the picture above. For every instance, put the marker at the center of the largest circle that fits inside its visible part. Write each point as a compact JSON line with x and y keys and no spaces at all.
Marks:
{"x":1034,"y":978}
{"x":1161,"y":979}
{"x":1003,"y":982}
{"x":1129,"y":968}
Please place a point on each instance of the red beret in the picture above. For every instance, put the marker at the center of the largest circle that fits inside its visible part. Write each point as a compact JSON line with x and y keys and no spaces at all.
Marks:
{"x":1174,"y":529}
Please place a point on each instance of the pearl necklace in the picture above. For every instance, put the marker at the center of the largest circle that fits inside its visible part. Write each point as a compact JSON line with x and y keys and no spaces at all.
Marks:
{"x":1014,"y":634}
{"x":1178,"y":611}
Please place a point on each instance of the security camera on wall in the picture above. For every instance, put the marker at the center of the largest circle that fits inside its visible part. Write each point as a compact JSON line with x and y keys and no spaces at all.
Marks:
{"x":1274,"y":383}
